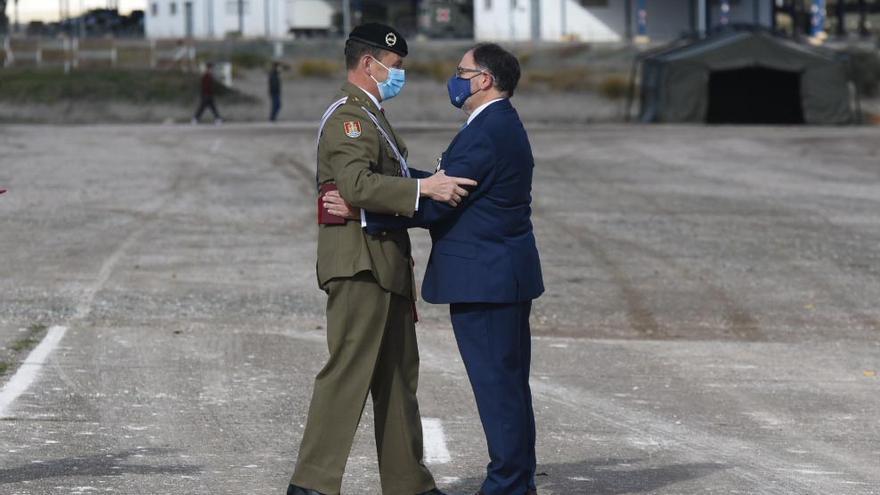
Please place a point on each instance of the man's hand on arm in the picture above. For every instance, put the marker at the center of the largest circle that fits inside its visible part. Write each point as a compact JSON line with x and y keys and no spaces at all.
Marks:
{"x":446,"y":189}
{"x":334,"y":204}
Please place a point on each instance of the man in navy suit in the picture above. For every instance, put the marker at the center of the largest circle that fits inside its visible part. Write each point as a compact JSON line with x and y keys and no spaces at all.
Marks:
{"x":484,"y":261}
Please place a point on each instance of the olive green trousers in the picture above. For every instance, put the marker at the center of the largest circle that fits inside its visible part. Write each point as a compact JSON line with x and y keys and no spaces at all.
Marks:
{"x":373,"y":350}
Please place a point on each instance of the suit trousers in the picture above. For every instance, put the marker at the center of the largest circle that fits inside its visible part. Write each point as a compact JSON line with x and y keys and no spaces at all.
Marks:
{"x":495,"y":344}
{"x":372,"y":342}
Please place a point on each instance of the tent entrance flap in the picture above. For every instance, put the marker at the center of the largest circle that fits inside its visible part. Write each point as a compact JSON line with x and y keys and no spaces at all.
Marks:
{"x":755,"y":95}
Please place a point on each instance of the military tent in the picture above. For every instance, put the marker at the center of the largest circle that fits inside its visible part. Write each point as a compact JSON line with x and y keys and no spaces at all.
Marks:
{"x":745,"y":76}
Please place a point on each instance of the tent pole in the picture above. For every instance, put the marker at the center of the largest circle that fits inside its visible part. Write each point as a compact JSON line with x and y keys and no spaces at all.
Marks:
{"x":631,"y":92}
{"x":863,"y":18}
{"x":701,"y":18}
{"x":642,"y":20}
{"x":817,"y":19}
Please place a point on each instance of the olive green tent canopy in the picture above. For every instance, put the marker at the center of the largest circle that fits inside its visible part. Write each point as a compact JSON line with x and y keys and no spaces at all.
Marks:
{"x":745,"y":77}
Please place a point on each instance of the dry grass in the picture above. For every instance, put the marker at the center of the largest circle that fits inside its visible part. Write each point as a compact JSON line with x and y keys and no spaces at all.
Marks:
{"x":572,"y":50}
{"x":102,"y":85}
{"x":572,"y":80}
{"x":132,"y":57}
{"x":438,"y":70}
{"x":323,"y":69}
{"x":614,"y":87}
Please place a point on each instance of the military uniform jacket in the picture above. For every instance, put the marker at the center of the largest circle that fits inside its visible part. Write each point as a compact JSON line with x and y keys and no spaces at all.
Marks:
{"x":357,"y":158}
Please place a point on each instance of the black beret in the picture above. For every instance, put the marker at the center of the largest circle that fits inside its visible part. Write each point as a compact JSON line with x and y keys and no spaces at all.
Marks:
{"x":380,"y":36}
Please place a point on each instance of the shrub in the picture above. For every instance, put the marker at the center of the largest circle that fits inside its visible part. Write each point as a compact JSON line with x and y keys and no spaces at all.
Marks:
{"x":324,"y":69}
{"x":573,"y":49}
{"x":249,"y":60}
{"x":864,"y":68}
{"x":576,"y":79}
{"x":614,"y":87}
{"x":437,"y":70}
{"x":134,"y":86}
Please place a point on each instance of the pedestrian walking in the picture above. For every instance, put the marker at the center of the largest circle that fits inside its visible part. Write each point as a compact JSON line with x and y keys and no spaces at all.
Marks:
{"x":275,"y":91}
{"x":206,"y":99}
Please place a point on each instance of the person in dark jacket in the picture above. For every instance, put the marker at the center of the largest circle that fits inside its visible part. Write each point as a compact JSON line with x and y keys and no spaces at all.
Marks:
{"x":207,"y":96}
{"x":275,"y":90}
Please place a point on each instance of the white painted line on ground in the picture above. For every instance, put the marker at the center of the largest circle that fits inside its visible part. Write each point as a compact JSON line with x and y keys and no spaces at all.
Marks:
{"x":435,"y":441}
{"x":29,"y":369}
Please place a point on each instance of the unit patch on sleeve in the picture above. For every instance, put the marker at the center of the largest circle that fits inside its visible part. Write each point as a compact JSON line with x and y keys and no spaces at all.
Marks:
{"x":352,"y":129}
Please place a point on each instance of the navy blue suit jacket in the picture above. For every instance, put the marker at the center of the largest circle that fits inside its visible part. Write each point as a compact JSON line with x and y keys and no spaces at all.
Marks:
{"x":483,"y":250}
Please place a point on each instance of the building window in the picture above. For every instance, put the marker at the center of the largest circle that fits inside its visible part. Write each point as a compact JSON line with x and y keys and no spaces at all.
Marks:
{"x":232,"y":7}
{"x":173,"y":8}
{"x":154,"y":9}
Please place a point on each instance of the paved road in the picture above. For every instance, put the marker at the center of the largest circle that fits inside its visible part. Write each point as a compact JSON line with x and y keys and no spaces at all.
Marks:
{"x":710,"y":326}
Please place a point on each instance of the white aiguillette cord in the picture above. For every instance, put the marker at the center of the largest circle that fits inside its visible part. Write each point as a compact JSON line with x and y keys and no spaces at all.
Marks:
{"x":332,"y":108}
{"x":404,"y":168}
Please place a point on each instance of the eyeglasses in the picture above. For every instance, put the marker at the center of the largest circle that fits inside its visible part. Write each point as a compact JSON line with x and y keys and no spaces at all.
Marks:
{"x":461,"y":71}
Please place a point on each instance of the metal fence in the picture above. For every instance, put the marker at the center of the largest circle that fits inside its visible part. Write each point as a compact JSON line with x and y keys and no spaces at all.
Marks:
{"x":74,"y":53}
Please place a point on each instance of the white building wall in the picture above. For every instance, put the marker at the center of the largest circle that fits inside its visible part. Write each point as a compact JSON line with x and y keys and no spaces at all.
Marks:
{"x":213,"y":19}
{"x":745,"y":12}
{"x":667,"y":19}
{"x":596,"y":24}
{"x":507,"y":20}
{"x":511,"y":20}
{"x":309,"y":14}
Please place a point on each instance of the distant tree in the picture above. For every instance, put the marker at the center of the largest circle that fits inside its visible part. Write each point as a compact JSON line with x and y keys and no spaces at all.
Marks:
{"x":4,"y":21}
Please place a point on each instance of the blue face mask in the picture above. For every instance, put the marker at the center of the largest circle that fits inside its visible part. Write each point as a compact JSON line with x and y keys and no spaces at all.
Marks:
{"x":459,"y":90}
{"x":393,"y":84}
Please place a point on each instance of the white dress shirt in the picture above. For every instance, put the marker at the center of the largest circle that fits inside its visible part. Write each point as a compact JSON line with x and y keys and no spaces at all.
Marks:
{"x":479,"y":109}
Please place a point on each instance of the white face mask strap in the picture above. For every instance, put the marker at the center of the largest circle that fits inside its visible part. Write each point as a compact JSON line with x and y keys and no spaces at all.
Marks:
{"x":383,"y":66}
{"x":380,"y":63}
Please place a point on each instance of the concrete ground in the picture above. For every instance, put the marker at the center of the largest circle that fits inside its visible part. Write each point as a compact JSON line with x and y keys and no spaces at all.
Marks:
{"x":710,"y":324}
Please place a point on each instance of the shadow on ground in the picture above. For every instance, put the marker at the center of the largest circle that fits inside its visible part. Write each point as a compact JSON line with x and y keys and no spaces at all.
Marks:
{"x":603,"y":477}
{"x":113,"y":464}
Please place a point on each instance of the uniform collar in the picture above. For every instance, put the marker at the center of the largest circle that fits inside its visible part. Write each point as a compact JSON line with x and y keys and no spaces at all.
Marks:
{"x":358,"y":94}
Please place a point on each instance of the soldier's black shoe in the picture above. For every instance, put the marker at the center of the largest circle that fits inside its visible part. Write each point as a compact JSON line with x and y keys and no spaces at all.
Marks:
{"x":298,"y":490}
{"x":432,"y":492}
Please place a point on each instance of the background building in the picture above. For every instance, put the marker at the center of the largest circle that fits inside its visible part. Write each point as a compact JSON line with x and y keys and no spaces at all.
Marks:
{"x":504,"y":20}
{"x":212,"y":19}
{"x":610,"y":20}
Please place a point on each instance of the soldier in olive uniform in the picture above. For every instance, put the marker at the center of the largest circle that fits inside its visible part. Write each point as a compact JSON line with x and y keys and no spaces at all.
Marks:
{"x":369,"y":281}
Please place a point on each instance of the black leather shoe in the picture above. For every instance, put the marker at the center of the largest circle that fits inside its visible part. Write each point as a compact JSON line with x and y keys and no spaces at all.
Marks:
{"x":432,"y":492}
{"x":298,"y":490}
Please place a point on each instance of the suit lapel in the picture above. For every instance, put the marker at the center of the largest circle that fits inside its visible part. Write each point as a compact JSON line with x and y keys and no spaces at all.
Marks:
{"x":498,"y":106}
